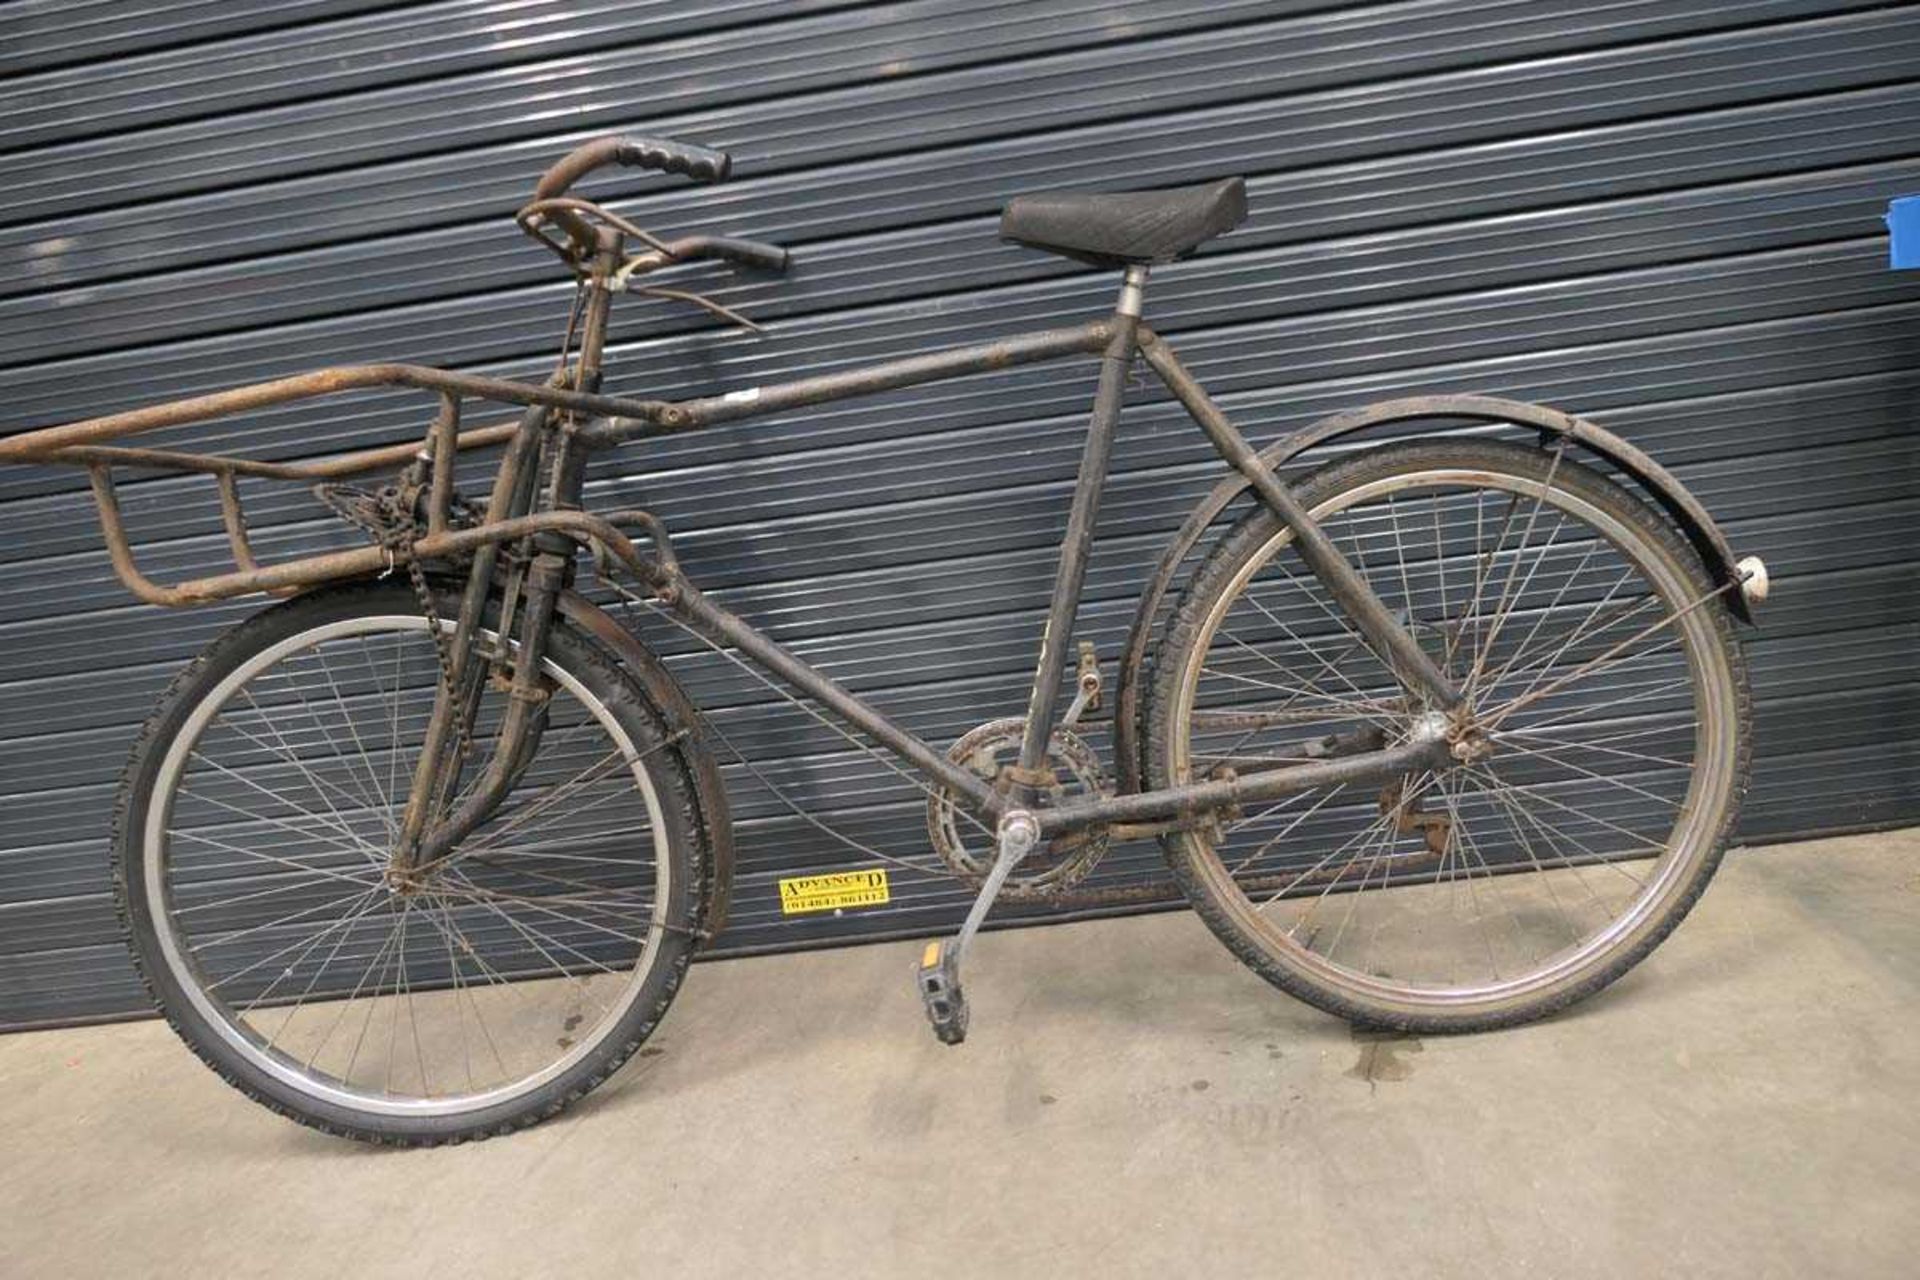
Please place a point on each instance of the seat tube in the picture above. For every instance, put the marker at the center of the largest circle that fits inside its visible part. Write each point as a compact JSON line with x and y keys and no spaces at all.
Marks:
{"x":1057,"y":639}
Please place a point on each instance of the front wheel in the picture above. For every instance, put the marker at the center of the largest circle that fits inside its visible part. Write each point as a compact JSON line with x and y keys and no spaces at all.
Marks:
{"x":1600,"y":672}
{"x":255,"y":824}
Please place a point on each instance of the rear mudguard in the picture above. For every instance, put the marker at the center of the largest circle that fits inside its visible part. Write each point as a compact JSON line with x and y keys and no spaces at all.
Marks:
{"x":1659,"y":483}
{"x":715,"y":820}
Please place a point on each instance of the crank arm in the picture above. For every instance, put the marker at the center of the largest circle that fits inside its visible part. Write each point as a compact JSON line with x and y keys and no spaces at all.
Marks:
{"x":939,"y":976}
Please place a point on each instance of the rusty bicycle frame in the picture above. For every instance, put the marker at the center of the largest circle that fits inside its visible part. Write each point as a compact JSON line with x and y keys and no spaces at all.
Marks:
{"x":562,"y":427}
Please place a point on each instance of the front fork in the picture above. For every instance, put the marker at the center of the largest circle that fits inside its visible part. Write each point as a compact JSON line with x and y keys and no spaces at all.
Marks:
{"x":424,"y":841}
{"x":425,"y":836}
{"x":428,"y":830}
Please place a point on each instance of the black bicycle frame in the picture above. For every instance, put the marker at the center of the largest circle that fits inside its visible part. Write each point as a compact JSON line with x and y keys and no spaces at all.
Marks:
{"x":1117,"y":341}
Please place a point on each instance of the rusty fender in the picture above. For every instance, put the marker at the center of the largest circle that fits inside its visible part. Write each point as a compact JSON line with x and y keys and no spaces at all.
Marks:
{"x":715,"y":819}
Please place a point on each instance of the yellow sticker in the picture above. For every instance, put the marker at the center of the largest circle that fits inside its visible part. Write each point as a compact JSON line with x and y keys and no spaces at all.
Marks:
{"x":832,"y":891}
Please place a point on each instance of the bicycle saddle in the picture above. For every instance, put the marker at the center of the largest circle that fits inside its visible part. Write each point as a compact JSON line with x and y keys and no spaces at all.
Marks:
{"x":1117,"y":228}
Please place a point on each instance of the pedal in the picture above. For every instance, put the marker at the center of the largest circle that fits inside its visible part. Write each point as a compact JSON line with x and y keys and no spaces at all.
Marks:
{"x":939,"y":982}
{"x":939,"y":977}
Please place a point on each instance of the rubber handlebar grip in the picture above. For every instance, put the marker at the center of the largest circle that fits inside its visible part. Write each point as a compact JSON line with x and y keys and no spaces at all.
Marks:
{"x":703,"y":164}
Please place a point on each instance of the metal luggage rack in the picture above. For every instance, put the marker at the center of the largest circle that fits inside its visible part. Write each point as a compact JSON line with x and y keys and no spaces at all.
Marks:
{"x":88,"y":443}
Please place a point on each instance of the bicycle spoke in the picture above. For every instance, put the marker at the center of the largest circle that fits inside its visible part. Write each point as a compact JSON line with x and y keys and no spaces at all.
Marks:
{"x":320,"y":786}
{"x":222,"y":903}
{"x":1483,"y":565}
{"x":1526,"y":642}
{"x":1494,"y":881}
{"x":223,"y":846}
{"x":1380,"y":828}
{"x":366,"y":762}
{"x":533,"y":935}
{"x":1390,"y":836}
{"x":1508,"y":594}
{"x":1484,"y":773}
{"x":1510,"y":799}
{"x":1583,"y":715}
{"x":450,"y":931}
{"x":364,"y":800}
{"x":1576,"y":654}
{"x":1586,"y":629}
{"x":1450,"y":797}
{"x":379,"y":961}
{"x":1295,"y":883}
{"x":1376,"y":711}
{"x":1306,"y":648}
{"x":494,"y":977}
{"x":453,"y":976}
{"x":1287,"y":830}
{"x":442,"y":988}
{"x":393,"y":722}
{"x":341,"y":930}
{"x":1494,"y":785}
{"x":228,"y":939}
{"x":337,"y":823}
{"x":550,"y":797}
{"x":1574,"y":933}
{"x":271,"y":956}
{"x":1539,"y":753}
{"x":499,"y":838}
{"x":1539,"y":668}
{"x":1593,"y":665}
{"x":1440,"y":573}
{"x":1400,"y":558}
{"x":1594,"y":745}
{"x":346,"y":1006}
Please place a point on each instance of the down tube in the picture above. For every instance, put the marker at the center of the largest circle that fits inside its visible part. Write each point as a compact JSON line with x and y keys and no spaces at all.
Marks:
{"x":725,"y":628}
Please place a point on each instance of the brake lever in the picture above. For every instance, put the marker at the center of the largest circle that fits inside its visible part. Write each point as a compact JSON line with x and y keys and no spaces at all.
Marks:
{"x":698,"y":300}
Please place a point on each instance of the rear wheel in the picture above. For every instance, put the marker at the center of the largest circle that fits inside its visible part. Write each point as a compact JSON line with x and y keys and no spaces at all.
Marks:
{"x":1599,"y":668}
{"x":255,"y":823}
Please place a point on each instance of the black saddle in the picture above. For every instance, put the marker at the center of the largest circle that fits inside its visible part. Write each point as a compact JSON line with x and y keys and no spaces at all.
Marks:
{"x":1121,"y":227}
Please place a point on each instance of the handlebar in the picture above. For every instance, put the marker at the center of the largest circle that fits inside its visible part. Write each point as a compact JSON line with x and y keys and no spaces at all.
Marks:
{"x":702,"y":164}
{"x":757,"y":254}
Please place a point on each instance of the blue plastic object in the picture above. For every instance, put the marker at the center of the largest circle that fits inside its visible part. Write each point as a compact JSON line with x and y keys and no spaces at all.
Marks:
{"x":1903,"y":231}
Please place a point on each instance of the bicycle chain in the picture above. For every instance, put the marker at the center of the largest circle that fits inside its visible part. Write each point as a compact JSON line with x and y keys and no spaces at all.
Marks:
{"x":388,"y":516}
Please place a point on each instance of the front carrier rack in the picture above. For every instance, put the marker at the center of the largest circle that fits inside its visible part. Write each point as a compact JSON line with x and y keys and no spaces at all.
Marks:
{"x":88,"y":444}
{"x":585,"y":233}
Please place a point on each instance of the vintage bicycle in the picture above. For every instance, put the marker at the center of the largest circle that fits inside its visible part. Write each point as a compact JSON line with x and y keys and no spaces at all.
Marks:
{"x":1442,"y":735}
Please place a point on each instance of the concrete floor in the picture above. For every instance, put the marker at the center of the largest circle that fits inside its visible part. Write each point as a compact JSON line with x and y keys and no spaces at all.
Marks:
{"x":1132,"y":1103}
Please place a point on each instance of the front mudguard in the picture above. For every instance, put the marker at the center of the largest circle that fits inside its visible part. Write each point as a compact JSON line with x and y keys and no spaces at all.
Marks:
{"x":1659,"y":483}
{"x":715,"y":819}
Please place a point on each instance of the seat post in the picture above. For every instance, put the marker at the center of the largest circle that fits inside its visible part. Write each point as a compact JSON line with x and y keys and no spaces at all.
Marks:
{"x":1057,"y":640}
{"x":1133,"y":291}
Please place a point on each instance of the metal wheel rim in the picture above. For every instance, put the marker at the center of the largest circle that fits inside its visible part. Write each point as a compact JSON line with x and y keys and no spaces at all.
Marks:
{"x":1693,"y":831}
{"x":215,"y":1015}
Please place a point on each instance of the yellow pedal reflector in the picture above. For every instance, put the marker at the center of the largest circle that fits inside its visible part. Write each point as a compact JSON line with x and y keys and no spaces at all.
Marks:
{"x":931,"y":956}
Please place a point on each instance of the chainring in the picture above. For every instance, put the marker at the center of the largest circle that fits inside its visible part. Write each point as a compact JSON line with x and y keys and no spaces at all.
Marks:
{"x":967,"y":848}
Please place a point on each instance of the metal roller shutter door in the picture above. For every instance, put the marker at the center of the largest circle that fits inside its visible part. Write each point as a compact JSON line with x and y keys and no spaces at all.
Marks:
{"x":1664,"y":215}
